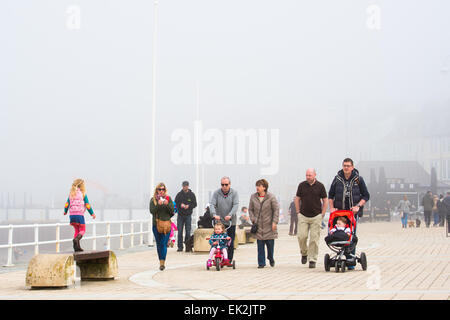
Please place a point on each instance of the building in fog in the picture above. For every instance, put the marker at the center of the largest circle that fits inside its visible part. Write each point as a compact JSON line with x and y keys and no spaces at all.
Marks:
{"x":390,"y":180}
{"x":423,"y":137}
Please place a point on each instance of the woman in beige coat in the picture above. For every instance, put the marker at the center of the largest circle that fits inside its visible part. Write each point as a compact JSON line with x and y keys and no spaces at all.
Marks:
{"x":264,"y":211}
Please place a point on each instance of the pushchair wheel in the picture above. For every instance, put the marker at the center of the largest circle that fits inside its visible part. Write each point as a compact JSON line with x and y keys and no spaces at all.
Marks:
{"x":234,"y":265}
{"x":337,"y":264}
{"x":326,"y":261}
{"x":363,"y":260}
{"x":343,"y":266}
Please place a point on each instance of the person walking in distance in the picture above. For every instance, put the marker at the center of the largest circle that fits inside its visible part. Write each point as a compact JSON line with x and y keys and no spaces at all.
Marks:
{"x":404,"y":208}
{"x":441,"y":210}
{"x":427,"y":203}
{"x":311,"y":205}
{"x":185,"y":201}
{"x":294,"y":219}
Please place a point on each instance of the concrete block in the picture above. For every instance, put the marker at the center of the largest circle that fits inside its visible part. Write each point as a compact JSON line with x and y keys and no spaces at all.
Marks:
{"x":51,"y":270}
{"x":97,"y":265}
{"x":241,"y":237}
{"x":200,"y":242}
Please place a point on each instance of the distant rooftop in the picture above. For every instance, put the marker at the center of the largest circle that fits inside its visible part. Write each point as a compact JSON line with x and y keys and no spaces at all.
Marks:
{"x":410,"y":171}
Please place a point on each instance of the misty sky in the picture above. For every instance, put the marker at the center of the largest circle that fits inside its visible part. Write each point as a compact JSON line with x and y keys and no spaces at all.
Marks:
{"x":78,"y":103}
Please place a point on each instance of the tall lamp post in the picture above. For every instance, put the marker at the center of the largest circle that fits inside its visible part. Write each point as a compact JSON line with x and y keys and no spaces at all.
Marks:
{"x":152,"y":170}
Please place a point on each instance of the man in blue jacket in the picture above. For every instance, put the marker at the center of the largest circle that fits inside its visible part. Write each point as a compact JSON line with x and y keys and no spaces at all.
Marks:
{"x":348,"y":191}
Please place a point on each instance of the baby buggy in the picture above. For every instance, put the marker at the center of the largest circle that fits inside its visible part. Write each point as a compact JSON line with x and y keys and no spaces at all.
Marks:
{"x":343,"y":248}
{"x":218,"y":260}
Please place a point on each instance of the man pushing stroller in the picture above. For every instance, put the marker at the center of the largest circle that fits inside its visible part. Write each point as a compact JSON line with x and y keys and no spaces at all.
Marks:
{"x":348,"y":191}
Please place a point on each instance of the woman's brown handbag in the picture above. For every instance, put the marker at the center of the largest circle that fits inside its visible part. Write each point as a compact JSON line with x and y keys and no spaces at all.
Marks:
{"x":163,"y":226}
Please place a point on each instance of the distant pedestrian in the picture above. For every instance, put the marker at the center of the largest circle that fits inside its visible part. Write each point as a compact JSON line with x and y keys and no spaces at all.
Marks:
{"x":435,"y":211}
{"x":224,"y":205}
{"x":294,"y":219}
{"x":441,"y":210}
{"x":427,"y":203}
{"x":404,"y":207}
{"x":162,"y":209}
{"x":186,"y":202}
{"x":348,"y":191}
{"x":446,"y":210}
{"x":264,"y":212}
{"x":76,"y":204}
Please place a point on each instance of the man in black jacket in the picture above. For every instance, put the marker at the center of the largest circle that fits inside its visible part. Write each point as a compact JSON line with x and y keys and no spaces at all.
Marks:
{"x":446,"y":210}
{"x":427,"y":203}
{"x":186,"y":202}
{"x":348,"y":191}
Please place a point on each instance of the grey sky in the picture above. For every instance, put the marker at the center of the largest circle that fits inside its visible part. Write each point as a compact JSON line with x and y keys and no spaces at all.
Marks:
{"x":77,"y":103}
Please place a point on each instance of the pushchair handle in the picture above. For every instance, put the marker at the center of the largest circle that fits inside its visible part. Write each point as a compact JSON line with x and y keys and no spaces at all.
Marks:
{"x":225,"y":223}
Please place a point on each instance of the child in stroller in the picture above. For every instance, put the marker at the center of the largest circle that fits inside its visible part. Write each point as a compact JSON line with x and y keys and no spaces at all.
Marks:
{"x":219,"y":241}
{"x":342,"y":240}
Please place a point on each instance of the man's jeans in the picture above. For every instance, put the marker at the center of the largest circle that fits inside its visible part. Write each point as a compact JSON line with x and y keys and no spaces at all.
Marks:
{"x":183,"y":221}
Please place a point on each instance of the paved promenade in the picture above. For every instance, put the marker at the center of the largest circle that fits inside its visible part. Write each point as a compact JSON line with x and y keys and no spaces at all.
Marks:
{"x":402,"y":264}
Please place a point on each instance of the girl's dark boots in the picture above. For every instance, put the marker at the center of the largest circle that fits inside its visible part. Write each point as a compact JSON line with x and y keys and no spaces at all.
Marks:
{"x":76,"y":243}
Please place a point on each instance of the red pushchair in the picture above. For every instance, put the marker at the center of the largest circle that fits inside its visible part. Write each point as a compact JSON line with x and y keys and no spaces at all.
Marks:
{"x":343,"y":247}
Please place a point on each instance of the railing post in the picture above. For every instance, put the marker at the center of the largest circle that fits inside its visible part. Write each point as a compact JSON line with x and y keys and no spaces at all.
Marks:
{"x":10,"y":249}
{"x":108,"y":236}
{"x":36,"y":239}
{"x":132,"y":235}
{"x":94,"y":236}
{"x":150,"y":233}
{"x":57,"y":237}
{"x":141,"y":236}
{"x":121,"y":235}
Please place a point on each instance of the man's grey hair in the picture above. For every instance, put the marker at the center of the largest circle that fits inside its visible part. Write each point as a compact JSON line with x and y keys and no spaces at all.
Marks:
{"x":227,"y":178}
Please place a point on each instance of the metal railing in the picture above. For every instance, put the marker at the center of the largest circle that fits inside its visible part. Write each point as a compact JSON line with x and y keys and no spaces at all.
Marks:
{"x":10,"y":246}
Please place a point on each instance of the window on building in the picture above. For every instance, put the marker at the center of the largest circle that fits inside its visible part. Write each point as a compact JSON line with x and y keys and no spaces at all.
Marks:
{"x":446,"y":169}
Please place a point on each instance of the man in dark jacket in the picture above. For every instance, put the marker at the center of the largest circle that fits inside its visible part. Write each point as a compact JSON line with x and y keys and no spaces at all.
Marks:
{"x":427,"y":203}
{"x":446,"y":210}
{"x":348,"y":191}
{"x":186,"y":202}
{"x":294,"y":219}
{"x":441,"y":210}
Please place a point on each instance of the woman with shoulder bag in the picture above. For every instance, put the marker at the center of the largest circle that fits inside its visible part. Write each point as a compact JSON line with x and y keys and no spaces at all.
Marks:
{"x":162,"y":209}
{"x":264,"y":214}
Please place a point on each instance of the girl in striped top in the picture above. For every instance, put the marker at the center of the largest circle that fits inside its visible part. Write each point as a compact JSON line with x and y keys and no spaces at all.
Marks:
{"x":76,"y":204}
